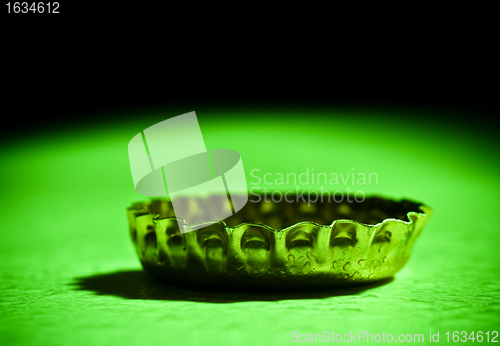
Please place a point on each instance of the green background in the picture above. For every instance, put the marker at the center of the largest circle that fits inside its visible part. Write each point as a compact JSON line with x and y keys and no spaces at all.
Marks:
{"x":69,"y":274}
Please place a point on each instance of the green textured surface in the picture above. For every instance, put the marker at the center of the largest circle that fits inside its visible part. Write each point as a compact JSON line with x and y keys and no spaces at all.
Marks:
{"x":69,"y":274}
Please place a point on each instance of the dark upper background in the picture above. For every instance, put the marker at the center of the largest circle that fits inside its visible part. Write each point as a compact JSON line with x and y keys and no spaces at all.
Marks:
{"x":87,"y":67}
